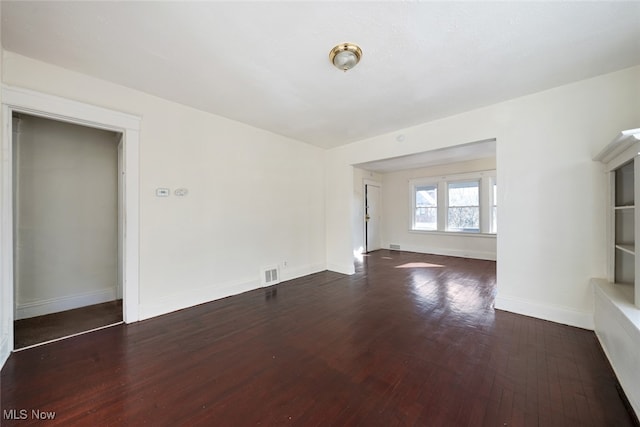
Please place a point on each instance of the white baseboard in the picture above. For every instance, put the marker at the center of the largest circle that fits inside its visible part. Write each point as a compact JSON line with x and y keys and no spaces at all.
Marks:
{"x":294,"y":273}
{"x":69,"y":302}
{"x":341,"y":268}
{"x":558,"y":314}
{"x":182,"y":300}
{"x":462,"y":253}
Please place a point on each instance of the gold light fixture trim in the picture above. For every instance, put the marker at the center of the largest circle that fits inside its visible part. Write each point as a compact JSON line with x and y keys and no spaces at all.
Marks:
{"x":345,"y":56}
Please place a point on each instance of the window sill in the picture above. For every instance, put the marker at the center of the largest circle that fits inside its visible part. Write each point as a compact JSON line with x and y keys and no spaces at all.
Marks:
{"x":455,"y":233}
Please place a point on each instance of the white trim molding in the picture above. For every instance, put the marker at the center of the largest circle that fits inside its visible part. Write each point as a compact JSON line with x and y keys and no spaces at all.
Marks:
{"x":290,"y":273}
{"x":67,"y":110}
{"x":622,"y":142}
{"x":461,"y":253}
{"x":69,"y":302}
{"x":554,"y":313}
{"x":348,"y":269}
{"x":57,"y":108}
{"x":180,"y":300}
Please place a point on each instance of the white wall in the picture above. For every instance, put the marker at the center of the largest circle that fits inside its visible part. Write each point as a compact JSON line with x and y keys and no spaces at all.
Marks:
{"x":255,"y":198}
{"x":396,"y":215}
{"x":65,"y":221}
{"x":551,"y":194}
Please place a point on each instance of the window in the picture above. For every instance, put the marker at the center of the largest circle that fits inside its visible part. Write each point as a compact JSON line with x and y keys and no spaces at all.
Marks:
{"x":426,"y":207}
{"x":463,"y":213}
{"x":461,"y":203}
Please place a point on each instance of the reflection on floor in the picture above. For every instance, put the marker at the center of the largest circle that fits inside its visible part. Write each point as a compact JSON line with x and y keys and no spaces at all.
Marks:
{"x":36,"y":330}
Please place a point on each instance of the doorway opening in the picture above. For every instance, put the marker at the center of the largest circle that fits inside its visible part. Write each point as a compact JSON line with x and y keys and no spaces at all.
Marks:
{"x":403,"y":224}
{"x":371,"y":217}
{"x":67,"y":210}
{"x":19,"y":100}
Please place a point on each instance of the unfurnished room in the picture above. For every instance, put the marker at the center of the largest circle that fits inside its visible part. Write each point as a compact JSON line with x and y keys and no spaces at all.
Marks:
{"x":319,"y":213}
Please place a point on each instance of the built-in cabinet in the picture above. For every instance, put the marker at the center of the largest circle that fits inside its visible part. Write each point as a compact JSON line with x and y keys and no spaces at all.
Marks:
{"x":622,"y":160}
{"x":616,"y":316}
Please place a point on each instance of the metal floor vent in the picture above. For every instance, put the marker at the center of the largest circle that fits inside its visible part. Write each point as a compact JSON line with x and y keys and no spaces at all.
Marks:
{"x":270,"y":276}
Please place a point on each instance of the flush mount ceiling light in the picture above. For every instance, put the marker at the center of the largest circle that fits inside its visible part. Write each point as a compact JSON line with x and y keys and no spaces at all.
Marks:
{"x":345,"y":56}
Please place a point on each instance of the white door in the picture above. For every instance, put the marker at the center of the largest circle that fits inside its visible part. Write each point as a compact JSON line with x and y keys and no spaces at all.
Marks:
{"x":372,"y":217}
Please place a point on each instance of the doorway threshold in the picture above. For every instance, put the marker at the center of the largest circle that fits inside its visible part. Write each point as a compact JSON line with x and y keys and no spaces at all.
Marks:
{"x":67,"y":336}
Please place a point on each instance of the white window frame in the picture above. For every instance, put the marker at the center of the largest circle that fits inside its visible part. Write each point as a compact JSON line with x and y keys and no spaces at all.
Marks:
{"x":414,"y":207}
{"x":485,"y":178}
{"x":493,"y":202}
{"x":452,"y":181}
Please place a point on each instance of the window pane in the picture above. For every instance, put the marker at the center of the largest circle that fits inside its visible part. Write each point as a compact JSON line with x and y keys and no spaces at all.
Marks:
{"x":464,"y":206}
{"x":464,"y":219}
{"x":426,"y":219}
{"x":426,"y":208}
{"x":464,"y":193}
{"x":427,"y":195}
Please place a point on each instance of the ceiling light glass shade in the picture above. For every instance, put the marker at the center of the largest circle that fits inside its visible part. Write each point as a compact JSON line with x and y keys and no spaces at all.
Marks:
{"x":345,"y":56}
{"x":345,"y":60}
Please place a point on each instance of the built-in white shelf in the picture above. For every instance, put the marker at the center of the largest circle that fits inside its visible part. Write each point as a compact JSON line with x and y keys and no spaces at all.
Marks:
{"x":621,"y":158}
{"x":617,"y":299}
{"x":630,"y":249}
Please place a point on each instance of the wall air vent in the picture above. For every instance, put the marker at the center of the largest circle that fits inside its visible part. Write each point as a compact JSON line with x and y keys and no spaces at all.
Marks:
{"x":394,"y":247}
{"x":270,"y":276}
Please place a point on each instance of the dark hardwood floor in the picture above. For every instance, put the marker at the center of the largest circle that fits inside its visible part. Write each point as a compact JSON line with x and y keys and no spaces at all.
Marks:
{"x":409,"y":339}
{"x":41,"y":329}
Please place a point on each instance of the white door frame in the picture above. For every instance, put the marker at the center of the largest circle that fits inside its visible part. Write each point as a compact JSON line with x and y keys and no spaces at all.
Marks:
{"x":373,"y":183}
{"x":61,"y":109}
{"x":121,"y":222}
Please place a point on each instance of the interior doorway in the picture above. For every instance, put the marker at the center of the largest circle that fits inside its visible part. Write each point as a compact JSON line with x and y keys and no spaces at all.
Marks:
{"x":67,"y":208}
{"x":371,"y":217}
{"x":39,"y":104}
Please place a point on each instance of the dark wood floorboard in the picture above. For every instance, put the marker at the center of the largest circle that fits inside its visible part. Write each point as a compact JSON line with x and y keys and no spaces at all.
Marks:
{"x":41,"y":329}
{"x":409,"y":340}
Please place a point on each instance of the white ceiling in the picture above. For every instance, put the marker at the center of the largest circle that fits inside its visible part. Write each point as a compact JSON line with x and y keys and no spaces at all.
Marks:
{"x":266,"y":63}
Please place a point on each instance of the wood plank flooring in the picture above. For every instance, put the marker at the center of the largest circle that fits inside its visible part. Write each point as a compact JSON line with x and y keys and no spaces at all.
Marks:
{"x":41,"y":329}
{"x":410,"y":339}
